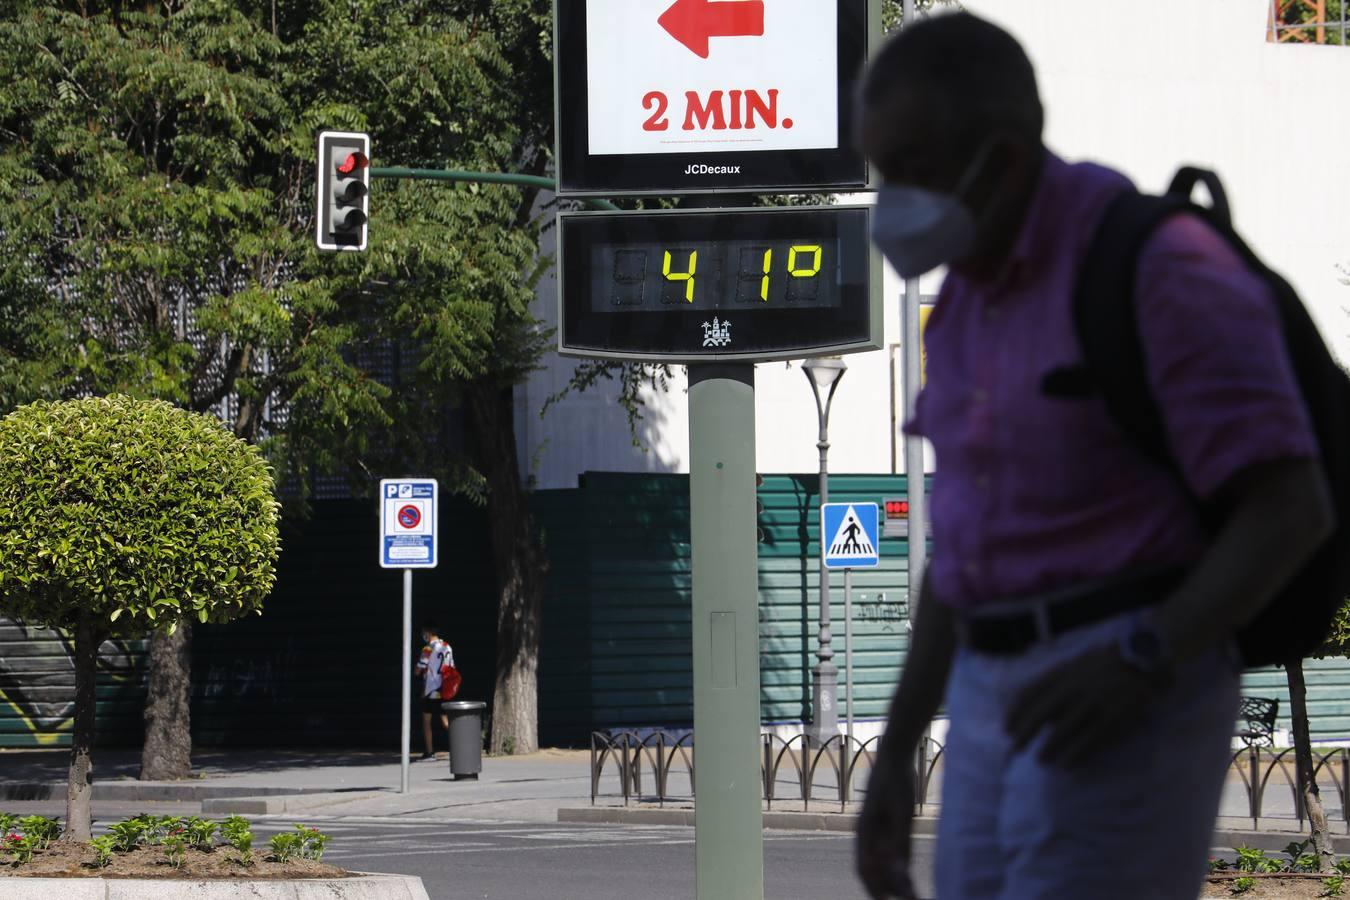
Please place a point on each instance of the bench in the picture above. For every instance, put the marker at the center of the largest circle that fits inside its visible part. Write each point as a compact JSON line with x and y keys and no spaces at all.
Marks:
{"x":1256,"y":721}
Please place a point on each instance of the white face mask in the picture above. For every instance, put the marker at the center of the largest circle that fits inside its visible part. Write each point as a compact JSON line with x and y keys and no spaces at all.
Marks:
{"x":918,"y":230}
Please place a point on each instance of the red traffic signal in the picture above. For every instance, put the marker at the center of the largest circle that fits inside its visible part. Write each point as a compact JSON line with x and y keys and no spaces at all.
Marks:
{"x":897,"y":509}
{"x":354,"y":162}
{"x":342,"y":207}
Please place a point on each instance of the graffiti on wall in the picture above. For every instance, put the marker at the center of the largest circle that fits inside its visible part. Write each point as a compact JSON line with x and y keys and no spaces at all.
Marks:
{"x":888,"y":613}
{"x":37,"y":679}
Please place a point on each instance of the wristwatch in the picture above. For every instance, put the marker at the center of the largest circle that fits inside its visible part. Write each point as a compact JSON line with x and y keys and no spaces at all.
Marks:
{"x":1143,"y":649}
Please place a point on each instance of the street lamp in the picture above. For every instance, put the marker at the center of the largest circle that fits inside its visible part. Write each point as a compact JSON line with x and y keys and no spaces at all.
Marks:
{"x":824,"y":375}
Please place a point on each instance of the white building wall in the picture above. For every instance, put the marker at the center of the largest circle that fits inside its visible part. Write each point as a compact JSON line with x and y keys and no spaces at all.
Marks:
{"x":1144,"y":87}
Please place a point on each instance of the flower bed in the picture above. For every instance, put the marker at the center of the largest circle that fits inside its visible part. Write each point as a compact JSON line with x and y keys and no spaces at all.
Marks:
{"x":163,"y":847}
{"x":1256,"y":875}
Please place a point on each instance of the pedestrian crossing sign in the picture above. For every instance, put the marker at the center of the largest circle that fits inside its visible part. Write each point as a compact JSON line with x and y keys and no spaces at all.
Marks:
{"x":850,"y":531}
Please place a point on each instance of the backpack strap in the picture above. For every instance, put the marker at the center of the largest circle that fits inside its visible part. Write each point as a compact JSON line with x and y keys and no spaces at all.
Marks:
{"x":1183,"y":185}
{"x":1105,"y":319}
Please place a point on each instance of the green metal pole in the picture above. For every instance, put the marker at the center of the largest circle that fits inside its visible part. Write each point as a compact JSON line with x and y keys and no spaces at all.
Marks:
{"x":513,"y":178}
{"x":728,"y":820}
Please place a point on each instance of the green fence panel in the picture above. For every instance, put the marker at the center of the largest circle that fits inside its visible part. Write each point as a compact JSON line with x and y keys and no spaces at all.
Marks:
{"x":616,"y":616}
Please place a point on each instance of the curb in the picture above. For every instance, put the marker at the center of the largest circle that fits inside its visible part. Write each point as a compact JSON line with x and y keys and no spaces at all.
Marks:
{"x":1266,"y":839}
{"x":362,"y":886}
{"x":274,"y":805}
{"x":1271,"y":840}
{"x":151,"y":792}
{"x":785,"y":821}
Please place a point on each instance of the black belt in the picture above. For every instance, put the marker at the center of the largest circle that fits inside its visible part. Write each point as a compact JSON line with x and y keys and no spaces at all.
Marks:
{"x":1009,"y":633}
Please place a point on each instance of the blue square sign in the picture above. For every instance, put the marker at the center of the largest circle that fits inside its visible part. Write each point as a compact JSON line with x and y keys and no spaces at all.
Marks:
{"x":849,"y":535}
{"x":408,"y":511}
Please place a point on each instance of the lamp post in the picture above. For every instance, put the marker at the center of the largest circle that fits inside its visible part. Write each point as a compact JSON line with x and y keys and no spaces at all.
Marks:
{"x":824,"y":375}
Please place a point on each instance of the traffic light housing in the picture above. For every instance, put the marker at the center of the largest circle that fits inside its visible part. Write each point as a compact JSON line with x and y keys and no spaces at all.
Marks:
{"x":896,"y":523}
{"x":343,"y":191}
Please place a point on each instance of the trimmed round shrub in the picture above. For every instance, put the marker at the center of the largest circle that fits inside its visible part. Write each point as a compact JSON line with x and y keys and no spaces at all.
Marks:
{"x":130,"y":515}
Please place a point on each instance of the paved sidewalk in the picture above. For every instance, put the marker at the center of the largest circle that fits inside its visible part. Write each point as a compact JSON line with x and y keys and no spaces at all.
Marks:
{"x":528,"y":788}
{"x":548,"y":786}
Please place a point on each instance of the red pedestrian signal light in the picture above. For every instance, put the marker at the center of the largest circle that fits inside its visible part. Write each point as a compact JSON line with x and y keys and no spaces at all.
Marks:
{"x":897,"y":509}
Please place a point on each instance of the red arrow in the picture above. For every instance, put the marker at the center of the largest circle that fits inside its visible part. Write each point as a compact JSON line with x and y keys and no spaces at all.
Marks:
{"x":692,"y":22}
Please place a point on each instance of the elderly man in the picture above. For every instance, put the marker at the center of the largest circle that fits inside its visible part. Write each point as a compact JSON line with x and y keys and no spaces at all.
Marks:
{"x":1077,"y":613}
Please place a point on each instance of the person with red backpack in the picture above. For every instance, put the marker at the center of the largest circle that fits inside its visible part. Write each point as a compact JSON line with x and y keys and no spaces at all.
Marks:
{"x":1140,"y":488}
{"x":440,"y":682}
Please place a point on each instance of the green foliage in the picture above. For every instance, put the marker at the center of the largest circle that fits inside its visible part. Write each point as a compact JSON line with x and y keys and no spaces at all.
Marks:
{"x":8,"y":823}
{"x":1333,"y":886}
{"x":175,"y":845}
{"x":1338,"y":640}
{"x":156,"y":212}
{"x":158,"y":828}
{"x":1342,"y":866}
{"x":312,"y":842}
{"x":41,"y":829}
{"x":239,"y":835}
{"x":1253,"y":859}
{"x":129,"y":834}
{"x":103,"y":847}
{"x":1304,"y":12}
{"x":201,"y":833}
{"x":892,"y":11}
{"x":20,"y":847}
{"x":1300,"y":860}
{"x":1241,"y":885}
{"x":286,"y":846}
{"x":134,"y":513}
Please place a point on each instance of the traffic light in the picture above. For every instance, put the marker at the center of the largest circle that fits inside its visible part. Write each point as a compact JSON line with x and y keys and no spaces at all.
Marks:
{"x":897,"y":517}
{"x":343,"y":191}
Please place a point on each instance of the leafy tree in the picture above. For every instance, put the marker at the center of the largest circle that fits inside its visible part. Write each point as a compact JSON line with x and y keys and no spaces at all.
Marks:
{"x":118,"y":516}
{"x":156,"y":207}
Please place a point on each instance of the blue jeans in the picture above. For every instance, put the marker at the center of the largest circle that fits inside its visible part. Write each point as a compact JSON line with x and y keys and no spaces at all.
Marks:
{"x":1133,"y":823}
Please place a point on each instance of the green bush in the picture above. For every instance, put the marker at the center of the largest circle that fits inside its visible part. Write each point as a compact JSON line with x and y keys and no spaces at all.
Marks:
{"x":133,"y":512}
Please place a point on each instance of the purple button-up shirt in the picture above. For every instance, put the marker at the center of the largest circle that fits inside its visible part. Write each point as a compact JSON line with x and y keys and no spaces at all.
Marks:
{"x":1034,"y":492}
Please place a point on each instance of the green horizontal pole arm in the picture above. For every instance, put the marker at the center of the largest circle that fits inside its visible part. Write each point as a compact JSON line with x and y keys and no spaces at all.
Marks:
{"x":514,"y":178}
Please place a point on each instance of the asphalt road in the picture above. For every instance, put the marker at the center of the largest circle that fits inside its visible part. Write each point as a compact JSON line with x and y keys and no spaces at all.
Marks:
{"x":495,"y":861}
{"x":492,"y":860}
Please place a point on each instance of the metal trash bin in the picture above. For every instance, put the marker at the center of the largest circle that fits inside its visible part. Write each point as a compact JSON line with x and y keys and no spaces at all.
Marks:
{"x":466,"y":737}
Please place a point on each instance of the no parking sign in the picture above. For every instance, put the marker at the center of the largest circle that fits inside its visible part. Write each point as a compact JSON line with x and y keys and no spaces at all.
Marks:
{"x":408,"y":523}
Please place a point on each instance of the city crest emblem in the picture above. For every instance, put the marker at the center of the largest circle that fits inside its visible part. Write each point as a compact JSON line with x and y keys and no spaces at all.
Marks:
{"x":718,"y":334}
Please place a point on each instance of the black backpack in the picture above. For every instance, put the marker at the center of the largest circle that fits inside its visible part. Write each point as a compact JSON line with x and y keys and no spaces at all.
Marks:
{"x":1297,"y":620}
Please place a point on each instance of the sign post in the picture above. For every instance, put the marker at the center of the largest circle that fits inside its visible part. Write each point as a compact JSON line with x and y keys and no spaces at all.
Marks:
{"x":849,"y":535}
{"x":409,"y":508}
{"x":686,"y":97}
{"x":728,"y":822}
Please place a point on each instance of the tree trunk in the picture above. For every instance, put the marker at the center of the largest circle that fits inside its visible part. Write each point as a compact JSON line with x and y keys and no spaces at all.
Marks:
{"x":167,"y":753}
{"x":520,"y":566}
{"x":1307,"y":784}
{"x":78,"y":784}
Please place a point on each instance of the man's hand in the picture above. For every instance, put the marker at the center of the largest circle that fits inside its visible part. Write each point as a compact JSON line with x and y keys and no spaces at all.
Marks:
{"x":1086,"y":704}
{"x":884,"y":831}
